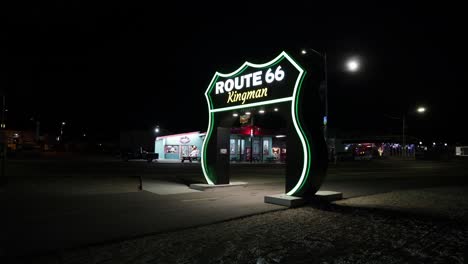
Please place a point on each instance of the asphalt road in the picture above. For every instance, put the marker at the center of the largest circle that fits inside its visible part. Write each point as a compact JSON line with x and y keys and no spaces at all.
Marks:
{"x":52,"y":205}
{"x":101,"y":175}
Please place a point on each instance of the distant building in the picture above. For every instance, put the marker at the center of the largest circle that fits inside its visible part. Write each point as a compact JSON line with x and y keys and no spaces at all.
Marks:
{"x":18,"y":140}
{"x":461,"y":151}
{"x":177,"y":146}
{"x":248,"y":143}
{"x":366,"y":146}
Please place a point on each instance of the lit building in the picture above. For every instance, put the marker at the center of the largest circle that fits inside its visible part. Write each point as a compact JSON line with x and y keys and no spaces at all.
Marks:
{"x":248,"y":143}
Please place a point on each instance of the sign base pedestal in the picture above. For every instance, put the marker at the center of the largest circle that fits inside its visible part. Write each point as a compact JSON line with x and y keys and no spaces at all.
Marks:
{"x":293,"y":201}
{"x":284,"y":200}
{"x":217,"y":187}
{"x":328,"y":196}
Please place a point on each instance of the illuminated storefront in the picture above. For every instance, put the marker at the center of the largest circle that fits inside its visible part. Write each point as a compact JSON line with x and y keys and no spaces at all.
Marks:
{"x":174,"y":147}
{"x":245,"y":145}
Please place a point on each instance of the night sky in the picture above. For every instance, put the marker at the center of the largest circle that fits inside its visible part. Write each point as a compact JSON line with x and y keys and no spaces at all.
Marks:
{"x":108,"y":67}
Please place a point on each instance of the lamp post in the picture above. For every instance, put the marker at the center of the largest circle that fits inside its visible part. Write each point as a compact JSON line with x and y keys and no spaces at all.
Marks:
{"x":419,"y":110}
{"x":3,"y":114}
{"x":4,"y":144}
{"x":352,"y":65}
{"x":325,"y":83}
{"x":403,"y":132}
{"x":60,"y":138}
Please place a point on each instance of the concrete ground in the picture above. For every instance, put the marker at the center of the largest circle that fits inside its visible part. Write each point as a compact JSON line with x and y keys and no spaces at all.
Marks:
{"x":73,"y":204}
{"x":310,"y":234}
{"x":57,"y":209}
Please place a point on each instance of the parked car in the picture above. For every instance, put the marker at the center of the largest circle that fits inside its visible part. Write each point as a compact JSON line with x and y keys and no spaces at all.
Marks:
{"x":138,"y":154}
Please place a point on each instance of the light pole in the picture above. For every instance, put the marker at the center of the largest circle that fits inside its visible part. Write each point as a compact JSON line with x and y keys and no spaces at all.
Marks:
{"x":352,"y":65}
{"x":403,"y":132}
{"x":3,"y":114}
{"x":60,"y":138}
{"x":4,"y":144}
{"x":325,"y":83}
{"x":419,"y":110}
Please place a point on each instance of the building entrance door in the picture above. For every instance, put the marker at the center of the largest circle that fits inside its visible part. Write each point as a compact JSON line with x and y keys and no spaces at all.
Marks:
{"x":185,"y":150}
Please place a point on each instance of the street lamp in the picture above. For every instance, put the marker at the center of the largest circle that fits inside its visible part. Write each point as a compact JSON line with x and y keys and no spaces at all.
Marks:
{"x":419,"y":110}
{"x":325,"y":83}
{"x":4,"y":110}
{"x":3,"y":179}
{"x":352,"y":66}
{"x":61,"y":131}
{"x":156,"y":129}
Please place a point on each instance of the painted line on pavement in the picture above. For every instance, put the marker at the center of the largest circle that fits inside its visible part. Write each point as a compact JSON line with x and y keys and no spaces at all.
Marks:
{"x":200,"y":199}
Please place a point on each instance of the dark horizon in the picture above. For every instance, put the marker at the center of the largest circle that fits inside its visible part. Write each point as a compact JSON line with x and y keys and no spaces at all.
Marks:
{"x":104,"y":69}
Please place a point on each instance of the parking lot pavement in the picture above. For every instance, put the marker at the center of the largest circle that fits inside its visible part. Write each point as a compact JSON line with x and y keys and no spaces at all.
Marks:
{"x":53,"y":205}
{"x":166,"y":187}
{"x":39,"y":222}
{"x":356,"y":230}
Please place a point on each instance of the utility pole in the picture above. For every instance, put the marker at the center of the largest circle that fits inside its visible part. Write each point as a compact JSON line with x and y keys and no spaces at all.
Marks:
{"x":38,"y":130}
{"x":323,"y":57}
{"x":403,"y":147}
{"x":325,"y":132}
{"x":3,"y":113}
{"x":3,"y":179}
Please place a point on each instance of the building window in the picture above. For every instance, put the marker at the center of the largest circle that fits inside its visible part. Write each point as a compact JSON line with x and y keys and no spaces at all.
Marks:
{"x":266,"y":147}
{"x":171,"y":149}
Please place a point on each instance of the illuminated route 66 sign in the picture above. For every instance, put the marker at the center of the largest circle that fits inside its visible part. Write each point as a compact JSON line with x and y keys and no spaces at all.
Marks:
{"x":277,"y":82}
{"x":255,"y":84}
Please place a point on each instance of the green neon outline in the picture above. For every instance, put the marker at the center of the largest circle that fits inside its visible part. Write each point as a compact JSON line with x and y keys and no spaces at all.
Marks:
{"x":307,"y":162}
{"x":208,"y":175}
{"x":294,"y":113}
